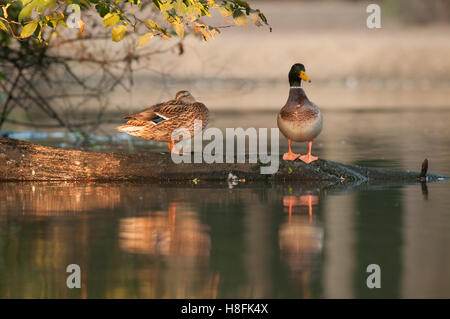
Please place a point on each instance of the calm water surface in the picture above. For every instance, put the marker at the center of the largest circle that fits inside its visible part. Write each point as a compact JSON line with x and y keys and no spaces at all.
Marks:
{"x":247,"y":240}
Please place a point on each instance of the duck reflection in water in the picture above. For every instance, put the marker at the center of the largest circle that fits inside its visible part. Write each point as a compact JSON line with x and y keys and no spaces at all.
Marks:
{"x":179,"y":246}
{"x":300,"y":238}
{"x":162,"y":233}
{"x":300,"y":201}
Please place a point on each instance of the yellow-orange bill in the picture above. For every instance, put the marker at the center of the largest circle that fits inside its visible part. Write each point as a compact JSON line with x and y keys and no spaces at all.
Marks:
{"x":304,"y":77}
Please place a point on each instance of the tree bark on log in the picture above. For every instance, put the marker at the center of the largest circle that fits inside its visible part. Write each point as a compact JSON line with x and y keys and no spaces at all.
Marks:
{"x":24,"y":161}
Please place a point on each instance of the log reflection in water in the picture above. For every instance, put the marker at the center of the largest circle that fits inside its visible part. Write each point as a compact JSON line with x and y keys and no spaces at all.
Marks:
{"x":55,"y":199}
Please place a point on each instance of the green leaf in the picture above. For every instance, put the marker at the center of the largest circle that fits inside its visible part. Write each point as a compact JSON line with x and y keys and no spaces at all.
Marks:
{"x":118,"y":32}
{"x":2,"y":26}
{"x":243,"y":4}
{"x":110,"y":19}
{"x":28,"y":29}
{"x":144,"y":39}
{"x":102,"y":9}
{"x":178,"y":27}
{"x":240,"y":18}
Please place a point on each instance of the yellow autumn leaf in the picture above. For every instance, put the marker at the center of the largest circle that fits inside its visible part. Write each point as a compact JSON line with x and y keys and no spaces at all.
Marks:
{"x":225,"y":11}
{"x":213,"y":34}
{"x":25,"y":12}
{"x":28,"y":29}
{"x":203,"y":29}
{"x":180,"y":7}
{"x":2,"y":26}
{"x":63,"y":23}
{"x":152,"y":25}
{"x":144,"y":39}
{"x":110,"y":19}
{"x":42,"y":5}
{"x":118,"y":32}
{"x":165,"y":6}
{"x":254,"y":16}
{"x":179,"y":30}
{"x":240,"y":18}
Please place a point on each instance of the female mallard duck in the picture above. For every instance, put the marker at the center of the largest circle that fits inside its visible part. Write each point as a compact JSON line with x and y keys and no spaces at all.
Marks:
{"x":299,"y":120}
{"x":159,"y":121}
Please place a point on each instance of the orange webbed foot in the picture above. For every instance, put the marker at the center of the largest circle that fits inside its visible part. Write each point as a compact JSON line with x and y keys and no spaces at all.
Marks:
{"x":289,"y":156}
{"x":308,"y":158}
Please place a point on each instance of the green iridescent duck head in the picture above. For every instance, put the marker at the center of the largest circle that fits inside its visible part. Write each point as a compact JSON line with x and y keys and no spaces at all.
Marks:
{"x":297,"y":74}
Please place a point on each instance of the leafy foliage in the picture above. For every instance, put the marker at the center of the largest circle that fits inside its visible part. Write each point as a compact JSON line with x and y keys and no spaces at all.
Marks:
{"x":44,"y":43}
{"x":42,"y":18}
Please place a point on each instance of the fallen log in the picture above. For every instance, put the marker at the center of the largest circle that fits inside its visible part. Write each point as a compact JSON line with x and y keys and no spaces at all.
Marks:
{"x":24,"y":161}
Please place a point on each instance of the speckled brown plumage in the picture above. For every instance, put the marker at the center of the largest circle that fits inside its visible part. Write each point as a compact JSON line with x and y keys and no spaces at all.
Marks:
{"x":300,"y":119}
{"x":298,"y":107}
{"x":178,"y":113}
{"x":298,"y":114}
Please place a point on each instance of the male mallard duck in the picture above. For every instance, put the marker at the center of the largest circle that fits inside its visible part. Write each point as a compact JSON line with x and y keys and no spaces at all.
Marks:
{"x":300,"y":119}
{"x":159,"y":121}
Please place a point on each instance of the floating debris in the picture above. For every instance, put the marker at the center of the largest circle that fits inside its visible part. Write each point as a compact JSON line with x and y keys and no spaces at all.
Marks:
{"x":233,"y":180}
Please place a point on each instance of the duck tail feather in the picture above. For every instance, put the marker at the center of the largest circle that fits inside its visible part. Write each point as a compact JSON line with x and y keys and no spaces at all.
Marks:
{"x":129,"y":129}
